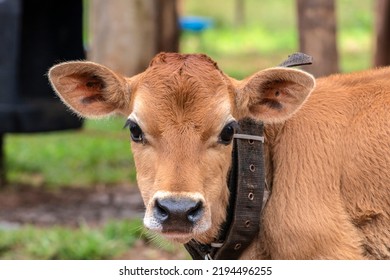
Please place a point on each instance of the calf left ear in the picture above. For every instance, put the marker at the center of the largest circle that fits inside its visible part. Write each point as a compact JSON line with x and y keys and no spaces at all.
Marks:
{"x":274,"y":94}
{"x":90,"y":89}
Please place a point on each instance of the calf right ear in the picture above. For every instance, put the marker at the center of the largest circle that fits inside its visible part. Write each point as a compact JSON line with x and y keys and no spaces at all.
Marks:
{"x":90,"y":89}
{"x":273,"y":95}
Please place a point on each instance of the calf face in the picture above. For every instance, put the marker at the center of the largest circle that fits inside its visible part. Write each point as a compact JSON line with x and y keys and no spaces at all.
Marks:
{"x":182,"y":112}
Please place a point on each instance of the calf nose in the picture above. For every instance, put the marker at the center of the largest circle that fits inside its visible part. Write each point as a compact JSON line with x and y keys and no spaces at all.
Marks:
{"x":177,"y":214}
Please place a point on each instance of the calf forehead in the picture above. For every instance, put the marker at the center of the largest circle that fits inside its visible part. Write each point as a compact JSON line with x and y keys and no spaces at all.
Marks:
{"x":183,"y":90}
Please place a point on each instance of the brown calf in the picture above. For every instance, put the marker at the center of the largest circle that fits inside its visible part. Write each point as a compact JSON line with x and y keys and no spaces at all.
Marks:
{"x":327,"y":151}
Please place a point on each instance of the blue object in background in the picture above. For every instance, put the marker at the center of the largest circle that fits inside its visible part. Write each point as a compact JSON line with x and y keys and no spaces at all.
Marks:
{"x":195,"y":23}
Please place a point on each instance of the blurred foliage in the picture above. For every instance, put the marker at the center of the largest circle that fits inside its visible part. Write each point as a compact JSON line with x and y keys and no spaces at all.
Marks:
{"x":62,"y":243}
{"x":270,"y":34}
{"x":100,"y":153}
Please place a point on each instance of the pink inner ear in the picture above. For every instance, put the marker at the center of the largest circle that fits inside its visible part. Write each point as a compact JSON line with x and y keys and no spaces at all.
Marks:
{"x":92,"y":98}
{"x":275,"y":99}
{"x":84,"y":91}
{"x":80,"y":85}
{"x":273,"y":95}
{"x":94,"y":84}
{"x":88,"y":82}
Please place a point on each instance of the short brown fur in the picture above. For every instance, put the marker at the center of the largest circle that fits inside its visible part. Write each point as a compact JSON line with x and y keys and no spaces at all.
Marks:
{"x":327,"y":150}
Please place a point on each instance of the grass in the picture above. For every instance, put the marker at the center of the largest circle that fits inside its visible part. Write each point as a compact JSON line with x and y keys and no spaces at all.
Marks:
{"x":29,"y":242}
{"x":112,"y":241}
{"x":100,"y":152}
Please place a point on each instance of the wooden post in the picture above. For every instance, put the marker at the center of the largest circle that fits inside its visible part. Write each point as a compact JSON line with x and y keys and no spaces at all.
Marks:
{"x":239,"y":13}
{"x":126,"y":34}
{"x":122,"y":34}
{"x":167,"y":26}
{"x":317,"y":35}
{"x":382,"y":26}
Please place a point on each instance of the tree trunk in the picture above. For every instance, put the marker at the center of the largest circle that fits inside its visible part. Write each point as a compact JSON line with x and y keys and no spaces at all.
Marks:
{"x":382,"y":26}
{"x":167,"y":26}
{"x":126,"y":34}
{"x":239,"y":13}
{"x":317,"y":35}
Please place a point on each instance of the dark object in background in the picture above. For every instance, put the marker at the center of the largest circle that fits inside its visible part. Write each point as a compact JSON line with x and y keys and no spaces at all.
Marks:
{"x":34,"y":35}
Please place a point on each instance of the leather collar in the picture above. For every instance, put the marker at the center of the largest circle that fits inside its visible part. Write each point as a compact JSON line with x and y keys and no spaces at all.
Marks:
{"x":246,"y":184}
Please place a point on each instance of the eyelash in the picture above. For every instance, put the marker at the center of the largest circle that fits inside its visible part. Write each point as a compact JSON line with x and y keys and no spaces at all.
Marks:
{"x":136,"y":132}
{"x":227,"y":133}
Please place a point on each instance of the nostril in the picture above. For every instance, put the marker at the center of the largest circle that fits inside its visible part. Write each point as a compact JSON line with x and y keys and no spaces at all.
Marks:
{"x":195,"y":213}
{"x":177,"y":212}
{"x":161,"y":212}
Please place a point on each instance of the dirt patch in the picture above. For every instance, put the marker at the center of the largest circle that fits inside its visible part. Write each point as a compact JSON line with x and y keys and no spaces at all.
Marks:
{"x":20,"y":205}
{"x":68,"y":206}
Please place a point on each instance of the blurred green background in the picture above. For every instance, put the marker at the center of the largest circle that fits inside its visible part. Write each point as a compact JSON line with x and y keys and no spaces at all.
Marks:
{"x":100,"y":154}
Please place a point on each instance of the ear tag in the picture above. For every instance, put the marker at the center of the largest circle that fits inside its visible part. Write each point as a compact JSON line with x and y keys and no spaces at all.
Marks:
{"x":297,"y":59}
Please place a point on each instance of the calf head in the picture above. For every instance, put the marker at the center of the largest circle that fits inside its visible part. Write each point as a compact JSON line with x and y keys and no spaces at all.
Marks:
{"x":182,"y":112}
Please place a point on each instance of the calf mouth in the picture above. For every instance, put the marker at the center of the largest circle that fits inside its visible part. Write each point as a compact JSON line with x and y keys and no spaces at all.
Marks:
{"x":174,"y":231}
{"x":178,"y":237}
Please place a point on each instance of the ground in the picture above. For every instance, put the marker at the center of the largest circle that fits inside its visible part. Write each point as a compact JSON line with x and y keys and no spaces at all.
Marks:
{"x":21,"y":205}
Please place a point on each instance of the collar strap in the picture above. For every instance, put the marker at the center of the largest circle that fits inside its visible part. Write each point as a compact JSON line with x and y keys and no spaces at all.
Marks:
{"x":246,"y":187}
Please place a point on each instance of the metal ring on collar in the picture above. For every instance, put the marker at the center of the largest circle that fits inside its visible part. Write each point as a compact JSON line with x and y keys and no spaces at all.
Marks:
{"x":249,"y":137}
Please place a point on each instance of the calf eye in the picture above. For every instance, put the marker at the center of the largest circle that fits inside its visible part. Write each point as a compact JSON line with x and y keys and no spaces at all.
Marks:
{"x":135,"y":131}
{"x":227,"y":133}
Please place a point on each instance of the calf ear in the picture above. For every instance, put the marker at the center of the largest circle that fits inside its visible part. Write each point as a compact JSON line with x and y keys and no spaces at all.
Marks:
{"x":89,"y":89}
{"x":274,"y":94}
